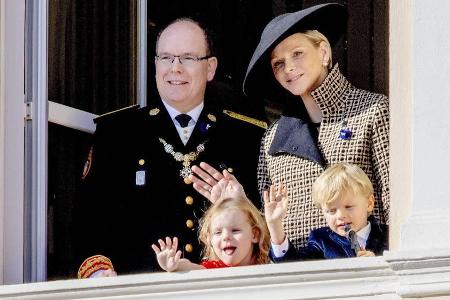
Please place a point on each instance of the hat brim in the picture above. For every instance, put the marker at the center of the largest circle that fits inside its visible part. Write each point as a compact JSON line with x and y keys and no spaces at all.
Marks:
{"x":329,"y":19}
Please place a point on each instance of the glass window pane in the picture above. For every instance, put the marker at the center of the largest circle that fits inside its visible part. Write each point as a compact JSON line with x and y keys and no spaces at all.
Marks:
{"x":67,"y":152}
{"x":91,"y":54}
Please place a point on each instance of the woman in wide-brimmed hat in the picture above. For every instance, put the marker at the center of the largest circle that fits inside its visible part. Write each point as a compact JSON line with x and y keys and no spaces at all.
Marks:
{"x":327,"y":121}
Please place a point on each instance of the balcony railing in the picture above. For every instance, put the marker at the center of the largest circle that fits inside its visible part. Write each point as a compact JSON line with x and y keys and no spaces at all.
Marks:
{"x":392,"y":276}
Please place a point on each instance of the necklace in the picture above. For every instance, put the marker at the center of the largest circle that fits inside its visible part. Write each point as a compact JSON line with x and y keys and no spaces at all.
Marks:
{"x":186,"y":159}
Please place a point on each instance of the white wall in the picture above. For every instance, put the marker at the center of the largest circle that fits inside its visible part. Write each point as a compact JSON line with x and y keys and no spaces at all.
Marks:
{"x":429,"y":127}
{"x":400,"y":96}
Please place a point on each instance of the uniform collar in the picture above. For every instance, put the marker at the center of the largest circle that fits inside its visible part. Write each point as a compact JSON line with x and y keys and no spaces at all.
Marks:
{"x":193,"y":113}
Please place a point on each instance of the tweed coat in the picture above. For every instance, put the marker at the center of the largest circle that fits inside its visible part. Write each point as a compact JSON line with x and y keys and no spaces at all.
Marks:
{"x":132,"y":191}
{"x":290,"y":155}
{"x":324,"y":243}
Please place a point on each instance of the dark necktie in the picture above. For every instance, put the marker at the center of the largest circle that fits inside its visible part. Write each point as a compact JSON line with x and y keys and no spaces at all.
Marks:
{"x":183,"y":120}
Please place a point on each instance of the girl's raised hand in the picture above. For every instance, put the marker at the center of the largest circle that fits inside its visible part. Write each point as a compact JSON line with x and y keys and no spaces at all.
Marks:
{"x":275,"y":203}
{"x":167,"y":255}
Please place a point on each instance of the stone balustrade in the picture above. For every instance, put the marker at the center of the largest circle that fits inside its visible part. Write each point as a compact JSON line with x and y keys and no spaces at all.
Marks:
{"x":396,"y":275}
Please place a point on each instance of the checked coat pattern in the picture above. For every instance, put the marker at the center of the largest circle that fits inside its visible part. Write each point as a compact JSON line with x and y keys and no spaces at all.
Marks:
{"x":290,"y":155}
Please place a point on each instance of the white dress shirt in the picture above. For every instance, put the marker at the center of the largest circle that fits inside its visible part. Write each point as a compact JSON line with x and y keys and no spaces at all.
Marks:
{"x":185,"y":133}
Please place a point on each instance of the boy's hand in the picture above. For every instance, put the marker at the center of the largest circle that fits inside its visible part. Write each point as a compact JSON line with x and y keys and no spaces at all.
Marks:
{"x":275,"y":203}
{"x":167,"y":255}
{"x":365,"y":253}
{"x":275,"y":207}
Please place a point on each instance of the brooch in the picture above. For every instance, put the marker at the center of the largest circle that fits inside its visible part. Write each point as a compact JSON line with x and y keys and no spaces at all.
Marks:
{"x":345,"y":133}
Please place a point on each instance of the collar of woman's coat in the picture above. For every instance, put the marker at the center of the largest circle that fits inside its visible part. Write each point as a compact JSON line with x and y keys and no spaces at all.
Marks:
{"x":293,"y":137}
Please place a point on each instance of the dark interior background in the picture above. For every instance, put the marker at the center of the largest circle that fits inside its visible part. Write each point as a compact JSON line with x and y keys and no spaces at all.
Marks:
{"x":92,"y":66}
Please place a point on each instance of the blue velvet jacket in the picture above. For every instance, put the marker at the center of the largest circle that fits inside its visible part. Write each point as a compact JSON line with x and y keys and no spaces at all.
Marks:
{"x":324,"y":243}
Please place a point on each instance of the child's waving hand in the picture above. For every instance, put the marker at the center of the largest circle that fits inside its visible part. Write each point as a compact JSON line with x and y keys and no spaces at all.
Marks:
{"x":167,"y":255}
{"x":275,"y":203}
{"x":275,"y":207}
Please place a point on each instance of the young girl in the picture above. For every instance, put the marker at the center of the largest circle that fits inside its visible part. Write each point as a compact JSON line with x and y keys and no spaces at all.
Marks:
{"x":233,"y":232}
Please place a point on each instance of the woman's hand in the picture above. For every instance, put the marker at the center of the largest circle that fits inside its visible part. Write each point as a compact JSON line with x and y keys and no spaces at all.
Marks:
{"x":167,"y":255}
{"x":214,"y":185}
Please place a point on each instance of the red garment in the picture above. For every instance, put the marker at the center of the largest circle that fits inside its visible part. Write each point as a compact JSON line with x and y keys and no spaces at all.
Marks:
{"x":213,"y":264}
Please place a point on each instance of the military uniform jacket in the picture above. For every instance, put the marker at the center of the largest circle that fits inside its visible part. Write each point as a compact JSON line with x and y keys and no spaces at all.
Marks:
{"x":290,"y":155}
{"x":324,"y":243}
{"x":133,"y":193}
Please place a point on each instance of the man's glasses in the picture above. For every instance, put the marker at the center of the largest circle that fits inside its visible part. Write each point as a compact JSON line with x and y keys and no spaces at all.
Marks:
{"x":186,"y":60}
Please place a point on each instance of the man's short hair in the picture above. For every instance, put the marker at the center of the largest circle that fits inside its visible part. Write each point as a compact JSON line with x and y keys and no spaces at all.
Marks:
{"x":206,"y":33}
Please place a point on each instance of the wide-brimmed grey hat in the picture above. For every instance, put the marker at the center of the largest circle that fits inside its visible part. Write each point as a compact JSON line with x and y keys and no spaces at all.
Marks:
{"x":330,"y":19}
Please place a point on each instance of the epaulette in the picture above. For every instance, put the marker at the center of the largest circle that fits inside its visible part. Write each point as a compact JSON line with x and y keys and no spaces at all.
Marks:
{"x":117,"y":112}
{"x":250,"y":120}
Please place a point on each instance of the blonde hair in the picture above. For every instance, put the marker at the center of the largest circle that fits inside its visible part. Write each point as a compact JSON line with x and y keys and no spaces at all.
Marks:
{"x":316,"y":38}
{"x":260,"y":253}
{"x":339,"y":179}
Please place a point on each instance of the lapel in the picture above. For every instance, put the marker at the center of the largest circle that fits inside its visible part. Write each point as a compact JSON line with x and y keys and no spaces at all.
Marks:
{"x":294,"y":137}
{"x":160,"y":124}
{"x":205,"y":127}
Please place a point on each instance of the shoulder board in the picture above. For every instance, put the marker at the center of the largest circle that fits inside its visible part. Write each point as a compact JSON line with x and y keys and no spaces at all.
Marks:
{"x":250,"y":120}
{"x":116,"y":112}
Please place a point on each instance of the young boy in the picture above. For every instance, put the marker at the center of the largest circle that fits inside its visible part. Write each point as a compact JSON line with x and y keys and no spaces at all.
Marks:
{"x":344,"y":193}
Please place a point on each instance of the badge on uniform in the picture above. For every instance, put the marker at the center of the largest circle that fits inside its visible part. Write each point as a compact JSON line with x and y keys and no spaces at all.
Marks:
{"x":153,"y":112}
{"x":204,"y":127}
{"x":212,"y":117}
{"x":140,"y":178}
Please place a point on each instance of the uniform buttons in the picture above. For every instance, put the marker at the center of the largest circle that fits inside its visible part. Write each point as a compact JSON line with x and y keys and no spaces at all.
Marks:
{"x":189,"y":200}
{"x":189,"y":223}
{"x":295,"y":148}
{"x":141,"y":162}
{"x":188,"y":248}
{"x":187,"y":180}
{"x":230,"y":170}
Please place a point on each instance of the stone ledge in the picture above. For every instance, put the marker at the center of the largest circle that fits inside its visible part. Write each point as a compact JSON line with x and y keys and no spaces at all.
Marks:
{"x":395,"y":275}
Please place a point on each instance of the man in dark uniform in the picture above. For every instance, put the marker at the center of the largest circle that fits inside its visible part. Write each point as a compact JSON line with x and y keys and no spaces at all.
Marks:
{"x":135,"y":182}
